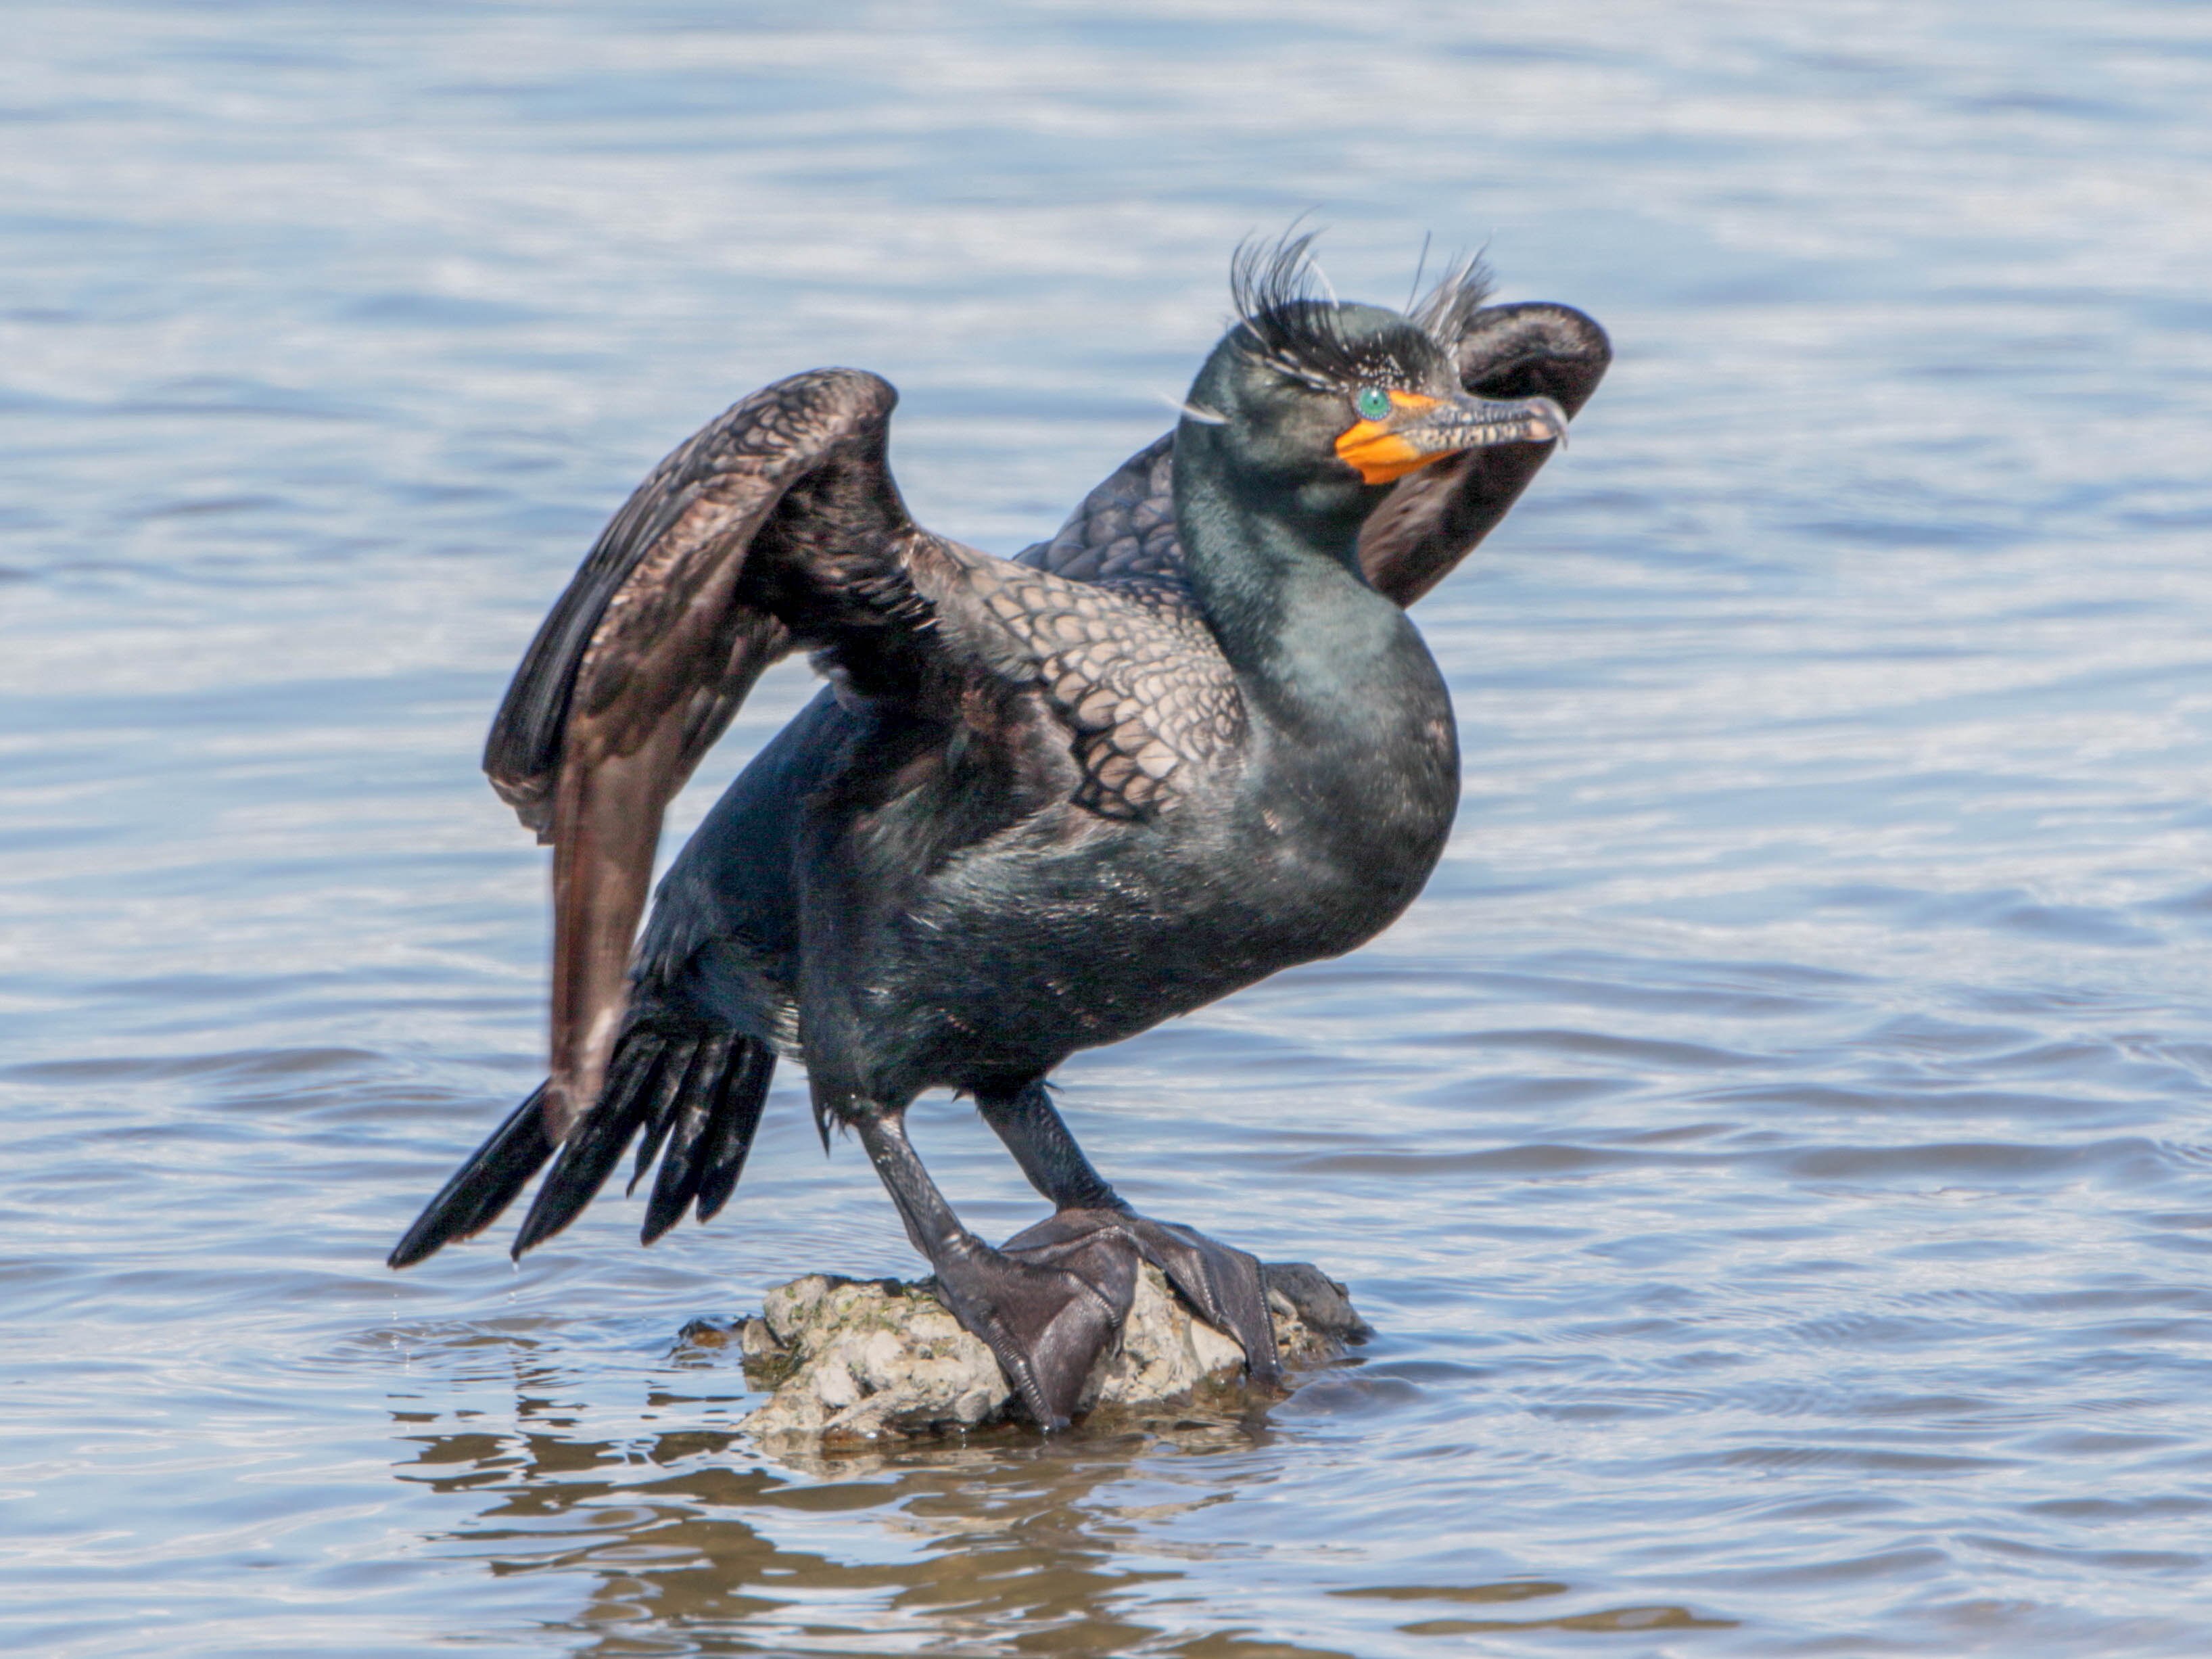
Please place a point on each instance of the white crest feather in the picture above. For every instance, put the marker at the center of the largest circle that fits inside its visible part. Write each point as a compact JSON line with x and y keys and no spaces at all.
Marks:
{"x":1203,"y":417}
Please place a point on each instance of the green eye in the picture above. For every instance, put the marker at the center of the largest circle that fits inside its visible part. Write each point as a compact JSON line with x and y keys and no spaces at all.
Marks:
{"x":1372,"y":402}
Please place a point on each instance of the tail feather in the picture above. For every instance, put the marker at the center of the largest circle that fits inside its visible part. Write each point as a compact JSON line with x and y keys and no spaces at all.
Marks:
{"x":482,"y":1188}
{"x":685,"y":1093}
{"x":707,"y":1152}
{"x":677,"y":1184}
{"x":590,"y":1153}
{"x":736,"y":1119}
{"x":698,"y":1097}
{"x":659,"y":1121}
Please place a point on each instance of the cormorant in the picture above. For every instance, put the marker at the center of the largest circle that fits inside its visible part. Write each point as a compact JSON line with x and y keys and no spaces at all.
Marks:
{"x":1045,"y":803}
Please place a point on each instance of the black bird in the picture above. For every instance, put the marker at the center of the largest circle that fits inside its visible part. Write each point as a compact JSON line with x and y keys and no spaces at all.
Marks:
{"x":1046,"y":803}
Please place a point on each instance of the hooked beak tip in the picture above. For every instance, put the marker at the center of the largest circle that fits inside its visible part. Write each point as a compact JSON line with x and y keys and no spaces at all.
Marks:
{"x":1545,"y":415}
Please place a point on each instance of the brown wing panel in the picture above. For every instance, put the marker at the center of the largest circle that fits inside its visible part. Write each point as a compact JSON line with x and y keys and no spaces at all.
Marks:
{"x":677,"y":544}
{"x":647,"y":656}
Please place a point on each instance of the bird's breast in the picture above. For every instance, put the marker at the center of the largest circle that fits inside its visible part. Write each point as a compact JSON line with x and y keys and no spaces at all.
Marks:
{"x":1348,"y":826}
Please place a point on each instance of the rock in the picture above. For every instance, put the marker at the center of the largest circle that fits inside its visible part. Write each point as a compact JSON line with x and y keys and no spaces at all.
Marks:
{"x":863,"y":1359}
{"x":1320,"y":1309}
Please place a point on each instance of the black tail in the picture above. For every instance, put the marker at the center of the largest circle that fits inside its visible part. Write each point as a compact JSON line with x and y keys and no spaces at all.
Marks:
{"x":483,"y":1187}
{"x":697,"y":1094}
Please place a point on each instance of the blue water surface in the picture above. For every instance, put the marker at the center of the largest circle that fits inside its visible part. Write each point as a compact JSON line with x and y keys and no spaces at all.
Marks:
{"x":1777,"y":1151}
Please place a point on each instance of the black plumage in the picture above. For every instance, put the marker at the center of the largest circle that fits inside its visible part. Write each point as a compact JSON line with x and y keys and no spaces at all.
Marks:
{"x":1046,"y":803}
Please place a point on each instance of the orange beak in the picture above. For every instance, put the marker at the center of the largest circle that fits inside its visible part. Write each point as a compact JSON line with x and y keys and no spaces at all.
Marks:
{"x":1420,"y":430}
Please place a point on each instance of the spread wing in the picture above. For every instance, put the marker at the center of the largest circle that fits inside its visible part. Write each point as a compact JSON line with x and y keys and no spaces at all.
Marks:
{"x":778,"y":527}
{"x":1431,"y":518}
{"x":644,"y":659}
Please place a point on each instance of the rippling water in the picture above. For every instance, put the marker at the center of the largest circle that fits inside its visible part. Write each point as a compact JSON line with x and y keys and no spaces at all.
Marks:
{"x":1775,"y":1151}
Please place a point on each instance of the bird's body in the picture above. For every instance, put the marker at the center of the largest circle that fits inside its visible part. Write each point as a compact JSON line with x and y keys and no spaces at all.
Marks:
{"x":987,"y":923}
{"x":1046,"y":803}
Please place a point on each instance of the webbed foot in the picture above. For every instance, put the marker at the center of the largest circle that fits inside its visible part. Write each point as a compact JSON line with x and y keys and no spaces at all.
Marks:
{"x":1047,"y":1310}
{"x":1049,"y":1301}
{"x":1221,"y":1283}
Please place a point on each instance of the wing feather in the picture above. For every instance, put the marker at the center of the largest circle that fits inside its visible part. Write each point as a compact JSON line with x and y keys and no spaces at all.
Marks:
{"x":756,"y":535}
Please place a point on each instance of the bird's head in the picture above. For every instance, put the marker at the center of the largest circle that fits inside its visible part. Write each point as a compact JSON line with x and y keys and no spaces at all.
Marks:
{"x":1310,"y":408}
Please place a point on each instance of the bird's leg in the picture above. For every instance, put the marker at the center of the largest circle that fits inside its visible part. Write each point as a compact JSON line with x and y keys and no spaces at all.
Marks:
{"x":1035,"y":1132}
{"x":1221,"y":1282}
{"x":1048,"y":1313}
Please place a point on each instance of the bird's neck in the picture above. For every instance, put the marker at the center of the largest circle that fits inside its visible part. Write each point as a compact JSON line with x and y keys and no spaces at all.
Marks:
{"x":1282,"y":588}
{"x":1353,"y":743}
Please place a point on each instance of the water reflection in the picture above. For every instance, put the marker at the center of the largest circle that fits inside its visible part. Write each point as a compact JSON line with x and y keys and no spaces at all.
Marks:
{"x":1000,"y":1539}
{"x":1099,"y":1542}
